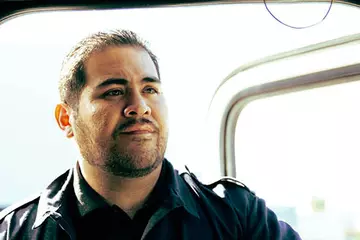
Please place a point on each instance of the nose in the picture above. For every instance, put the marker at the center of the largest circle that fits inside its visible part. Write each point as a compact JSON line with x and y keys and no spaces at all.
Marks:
{"x":137,"y":107}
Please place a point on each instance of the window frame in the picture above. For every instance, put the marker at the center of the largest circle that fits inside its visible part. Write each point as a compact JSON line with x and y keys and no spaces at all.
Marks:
{"x":276,"y":84}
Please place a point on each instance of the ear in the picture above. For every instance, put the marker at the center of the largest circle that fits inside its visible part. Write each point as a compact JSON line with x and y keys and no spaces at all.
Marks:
{"x":62,"y":116}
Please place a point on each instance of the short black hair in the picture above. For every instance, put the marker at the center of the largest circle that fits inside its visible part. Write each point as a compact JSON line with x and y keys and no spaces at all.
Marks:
{"x":72,"y":76}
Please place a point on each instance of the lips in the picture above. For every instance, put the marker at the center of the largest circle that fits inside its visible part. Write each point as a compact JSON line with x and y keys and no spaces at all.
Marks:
{"x":138,"y":129}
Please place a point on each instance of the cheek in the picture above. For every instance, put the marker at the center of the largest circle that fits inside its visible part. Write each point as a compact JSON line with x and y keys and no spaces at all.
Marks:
{"x":94,"y":116}
{"x":160,"y":113}
{"x":107,"y":117}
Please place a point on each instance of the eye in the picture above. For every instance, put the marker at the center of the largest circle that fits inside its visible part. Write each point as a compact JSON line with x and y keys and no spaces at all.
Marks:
{"x":151,"y":90}
{"x":114,"y":92}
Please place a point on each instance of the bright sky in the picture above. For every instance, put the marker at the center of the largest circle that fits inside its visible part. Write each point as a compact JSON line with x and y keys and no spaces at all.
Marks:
{"x":197,"y":47}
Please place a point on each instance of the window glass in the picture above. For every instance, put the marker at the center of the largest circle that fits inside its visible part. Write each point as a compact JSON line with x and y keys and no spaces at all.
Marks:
{"x":196,"y":51}
{"x":300,"y":152}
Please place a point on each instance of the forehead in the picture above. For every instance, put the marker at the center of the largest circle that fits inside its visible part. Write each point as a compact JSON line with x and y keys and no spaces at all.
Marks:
{"x":126,"y":62}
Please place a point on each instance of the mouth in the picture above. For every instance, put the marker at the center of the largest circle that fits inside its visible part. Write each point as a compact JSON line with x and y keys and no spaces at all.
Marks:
{"x":138,"y":130}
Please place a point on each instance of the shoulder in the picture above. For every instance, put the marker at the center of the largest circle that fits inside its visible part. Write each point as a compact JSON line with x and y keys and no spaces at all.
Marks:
{"x":30,"y":204}
{"x":234,"y":191}
{"x":229,"y":200}
{"x":230,"y":183}
{"x":227,"y":188}
{"x":25,"y":204}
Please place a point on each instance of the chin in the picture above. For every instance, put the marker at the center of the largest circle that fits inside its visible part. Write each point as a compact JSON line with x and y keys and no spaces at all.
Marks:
{"x":133,"y":163}
{"x":146,"y":159}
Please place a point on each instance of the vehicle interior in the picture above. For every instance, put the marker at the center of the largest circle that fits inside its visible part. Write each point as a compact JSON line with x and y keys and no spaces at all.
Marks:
{"x":262,"y":91}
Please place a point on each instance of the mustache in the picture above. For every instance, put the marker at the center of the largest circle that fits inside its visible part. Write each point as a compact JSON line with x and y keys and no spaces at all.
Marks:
{"x":133,"y":121}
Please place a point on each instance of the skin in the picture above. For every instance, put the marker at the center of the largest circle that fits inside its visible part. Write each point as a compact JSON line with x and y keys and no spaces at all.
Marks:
{"x":120,"y":125}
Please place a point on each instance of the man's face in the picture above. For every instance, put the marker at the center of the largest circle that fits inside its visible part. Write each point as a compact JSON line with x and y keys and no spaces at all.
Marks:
{"x":121,"y":122}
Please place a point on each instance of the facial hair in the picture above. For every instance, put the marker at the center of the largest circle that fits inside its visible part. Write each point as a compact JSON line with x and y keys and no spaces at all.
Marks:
{"x":108,"y":155}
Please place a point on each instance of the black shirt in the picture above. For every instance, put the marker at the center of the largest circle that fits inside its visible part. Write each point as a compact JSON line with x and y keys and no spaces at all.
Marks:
{"x":188,"y":210}
{"x":97,"y":219}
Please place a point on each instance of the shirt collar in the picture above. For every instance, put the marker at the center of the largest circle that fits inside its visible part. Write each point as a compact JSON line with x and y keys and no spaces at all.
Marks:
{"x":170,"y":189}
{"x":55,"y":199}
{"x":180,"y":191}
{"x":87,"y":198}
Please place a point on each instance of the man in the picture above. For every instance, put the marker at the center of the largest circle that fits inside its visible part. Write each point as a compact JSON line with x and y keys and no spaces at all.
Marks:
{"x":122,"y":187}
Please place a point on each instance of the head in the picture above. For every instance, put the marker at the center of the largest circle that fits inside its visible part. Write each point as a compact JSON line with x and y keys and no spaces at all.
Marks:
{"x":113,"y":104}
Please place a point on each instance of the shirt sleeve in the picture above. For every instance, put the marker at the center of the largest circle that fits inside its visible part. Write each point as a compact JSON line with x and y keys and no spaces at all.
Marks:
{"x":262,"y":223}
{"x":257,"y":221}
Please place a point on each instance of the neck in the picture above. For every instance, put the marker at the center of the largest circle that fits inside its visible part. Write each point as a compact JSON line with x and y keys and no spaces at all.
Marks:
{"x":129,"y":194}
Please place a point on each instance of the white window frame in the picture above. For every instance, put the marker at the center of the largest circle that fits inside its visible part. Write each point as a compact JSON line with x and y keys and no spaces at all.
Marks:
{"x":271,"y":76}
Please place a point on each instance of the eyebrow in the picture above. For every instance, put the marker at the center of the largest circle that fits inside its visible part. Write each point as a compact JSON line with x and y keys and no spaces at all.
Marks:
{"x":121,"y":81}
